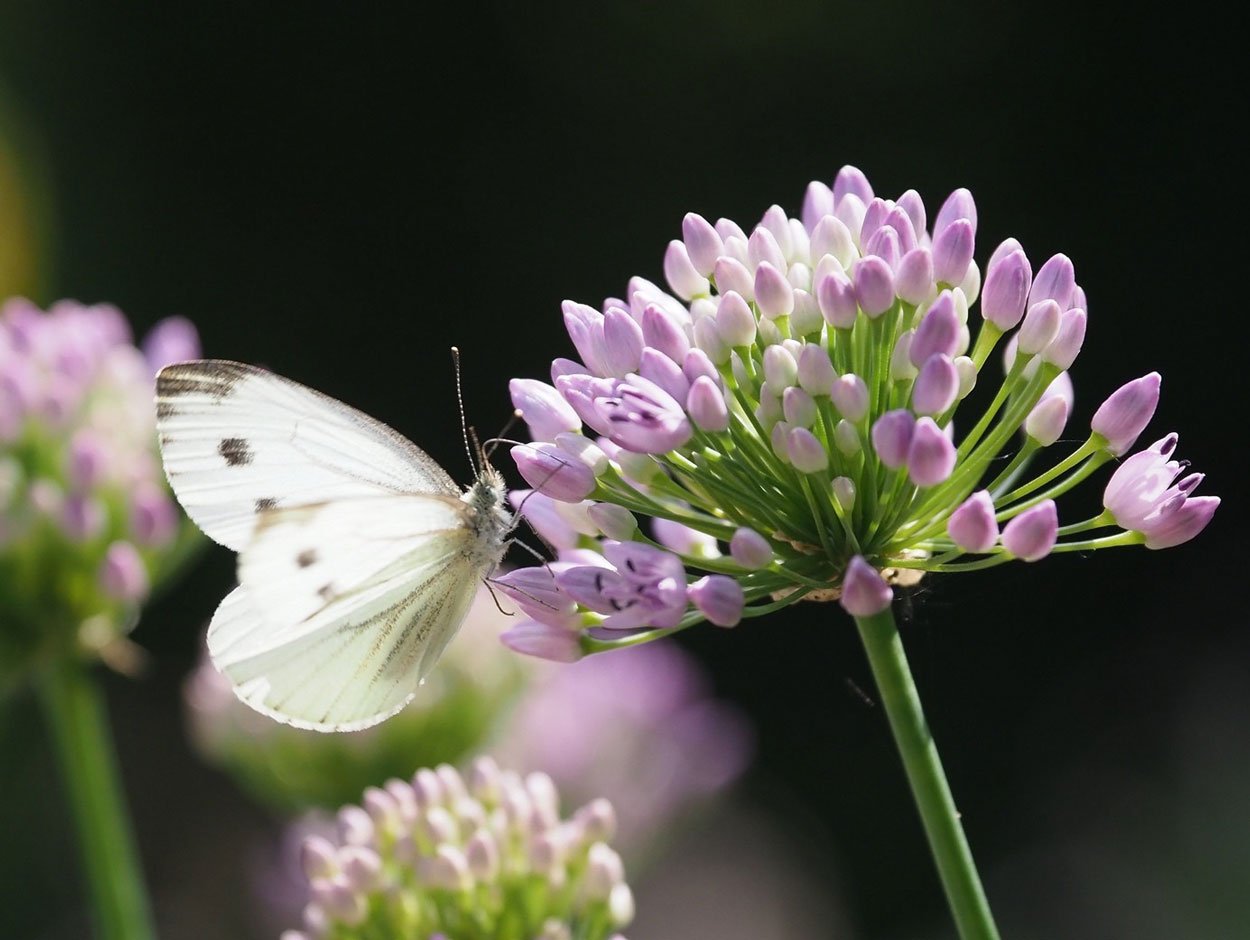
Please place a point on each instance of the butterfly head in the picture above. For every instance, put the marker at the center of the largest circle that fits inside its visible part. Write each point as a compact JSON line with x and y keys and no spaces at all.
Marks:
{"x":488,"y":500}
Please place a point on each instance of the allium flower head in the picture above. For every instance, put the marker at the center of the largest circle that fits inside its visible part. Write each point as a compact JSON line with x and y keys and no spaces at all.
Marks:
{"x":87,"y":524}
{"x":480,"y":856}
{"x":801,"y":399}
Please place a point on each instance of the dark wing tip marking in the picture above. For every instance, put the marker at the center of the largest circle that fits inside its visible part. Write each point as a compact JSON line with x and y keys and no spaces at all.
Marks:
{"x":235,"y":450}
{"x":214,"y":377}
{"x":165,"y":409}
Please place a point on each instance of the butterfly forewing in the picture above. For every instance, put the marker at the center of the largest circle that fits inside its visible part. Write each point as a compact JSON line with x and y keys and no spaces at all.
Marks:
{"x":303,"y":559}
{"x":359,"y":556}
{"x":237,"y":440}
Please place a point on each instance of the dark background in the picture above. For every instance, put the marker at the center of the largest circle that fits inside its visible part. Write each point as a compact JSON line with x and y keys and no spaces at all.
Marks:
{"x":341,"y":193}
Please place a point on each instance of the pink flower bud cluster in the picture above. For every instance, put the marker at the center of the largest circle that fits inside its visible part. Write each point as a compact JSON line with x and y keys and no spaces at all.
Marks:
{"x":81,"y":485}
{"x":836,"y":346}
{"x":423,"y":857}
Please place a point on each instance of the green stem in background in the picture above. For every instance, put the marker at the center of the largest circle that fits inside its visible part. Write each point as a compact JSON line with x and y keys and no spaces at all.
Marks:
{"x":929,"y":788}
{"x":75,"y":713}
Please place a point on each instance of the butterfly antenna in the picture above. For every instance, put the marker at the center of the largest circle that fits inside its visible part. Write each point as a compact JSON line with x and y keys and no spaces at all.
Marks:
{"x":499,"y":438}
{"x":464,"y":425}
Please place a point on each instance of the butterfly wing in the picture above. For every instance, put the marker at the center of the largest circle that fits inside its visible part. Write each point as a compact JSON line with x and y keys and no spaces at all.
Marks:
{"x":237,"y":440}
{"x":339,"y":639}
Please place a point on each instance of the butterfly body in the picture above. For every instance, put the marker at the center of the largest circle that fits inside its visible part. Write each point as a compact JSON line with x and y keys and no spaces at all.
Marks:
{"x":358,"y":555}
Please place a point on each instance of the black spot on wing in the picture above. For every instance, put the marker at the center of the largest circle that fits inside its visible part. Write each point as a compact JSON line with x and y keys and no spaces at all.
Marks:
{"x":326,"y":592}
{"x":265,"y":503}
{"x":307,"y":557}
{"x":236,"y":451}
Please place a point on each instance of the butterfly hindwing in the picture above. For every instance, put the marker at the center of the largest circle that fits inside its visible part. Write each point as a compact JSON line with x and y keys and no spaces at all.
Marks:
{"x":238,"y":440}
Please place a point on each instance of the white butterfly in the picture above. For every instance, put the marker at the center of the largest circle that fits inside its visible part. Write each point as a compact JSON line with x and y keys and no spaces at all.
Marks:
{"x":358,"y":555}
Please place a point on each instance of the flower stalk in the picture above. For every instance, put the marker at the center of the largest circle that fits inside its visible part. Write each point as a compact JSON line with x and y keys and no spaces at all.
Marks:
{"x":932,"y":793}
{"x":76,"y":718}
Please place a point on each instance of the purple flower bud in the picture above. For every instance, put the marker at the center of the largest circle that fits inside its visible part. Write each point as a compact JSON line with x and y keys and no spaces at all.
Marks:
{"x":535,"y":638}
{"x":544,"y":409}
{"x":1007,"y":283}
{"x":806,"y":320}
{"x":831,"y":237}
{"x":846,"y":438}
{"x":836,"y":296}
{"x":750,"y":549}
{"x":686,"y":282}
{"x":703,"y":243}
{"x":901,"y":369}
{"x":851,"y":180}
{"x":958,"y":205}
{"x":660,"y":331}
{"x":123,"y":575}
{"x":707,"y":340}
{"x":561,"y":367}
{"x":844,"y":493}
{"x":153,"y":516}
{"x":318,"y":857}
{"x":850,"y":396}
{"x":718,"y":598}
{"x":706,"y":405}
{"x":913,"y":279}
{"x":773,"y":293}
{"x":875,"y":212}
{"x":780,"y":369}
{"x":658,"y":368}
{"x":1055,"y":281}
{"x":798,"y":407}
{"x":1125,"y":414}
{"x":952,"y":251}
{"x":732,"y":275}
{"x":972,"y":526}
{"x":815,"y":371}
{"x":1047,"y":420}
{"x":898,"y":219}
{"x":554,"y":472}
{"x":817,"y":203}
{"x":696,"y":364}
{"x":622,"y":343}
{"x":1063,"y":349}
{"x":864,"y":591}
{"x":936,"y":386}
{"x":1183,"y":523}
{"x":87,"y":459}
{"x":931,"y":456}
{"x":82,"y":518}
{"x":911,"y":203}
{"x":684,"y":540}
{"x":874,"y":286}
{"x":1040,"y":327}
{"x":584,"y":449}
{"x":541,"y":513}
{"x":762,"y":248}
{"x":777,"y":223}
{"x":585,"y":328}
{"x":173,"y":339}
{"x":892,"y":436}
{"x":581,"y":391}
{"x":938,"y":331}
{"x":884,"y":244}
{"x":534,"y":590}
{"x":1032,"y":534}
{"x":806,"y":453}
{"x":734,"y":320}
{"x":615,"y":522}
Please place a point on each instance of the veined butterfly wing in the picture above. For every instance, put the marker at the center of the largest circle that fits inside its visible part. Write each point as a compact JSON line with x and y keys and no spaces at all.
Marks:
{"x":237,"y":440}
{"x":359,"y":556}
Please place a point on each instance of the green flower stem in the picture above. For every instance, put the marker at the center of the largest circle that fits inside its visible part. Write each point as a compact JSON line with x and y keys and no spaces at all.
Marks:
{"x":75,"y":714}
{"x":929,"y":788}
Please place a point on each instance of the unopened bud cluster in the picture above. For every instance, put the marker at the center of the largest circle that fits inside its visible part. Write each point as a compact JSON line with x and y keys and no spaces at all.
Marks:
{"x":87,"y":523}
{"x":790,"y":407}
{"x":484,"y":856}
